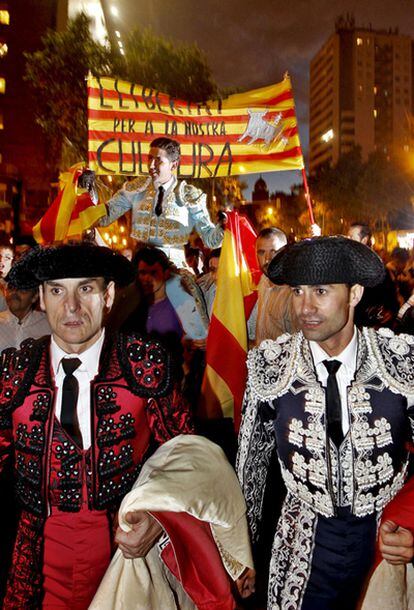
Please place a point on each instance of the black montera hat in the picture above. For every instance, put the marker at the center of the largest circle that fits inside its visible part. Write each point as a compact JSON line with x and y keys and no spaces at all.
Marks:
{"x":326,"y":260}
{"x":69,"y":261}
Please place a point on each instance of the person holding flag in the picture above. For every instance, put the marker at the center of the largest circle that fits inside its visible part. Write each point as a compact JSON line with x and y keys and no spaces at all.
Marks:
{"x":164,"y":211}
{"x":225,"y":374}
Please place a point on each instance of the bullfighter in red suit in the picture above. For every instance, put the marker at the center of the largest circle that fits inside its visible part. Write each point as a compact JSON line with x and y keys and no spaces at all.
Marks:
{"x":74,"y":465}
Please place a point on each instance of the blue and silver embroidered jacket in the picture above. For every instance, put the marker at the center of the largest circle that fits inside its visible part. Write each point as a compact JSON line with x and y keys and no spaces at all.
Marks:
{"x":285,"y":409}
{"x":184,"y":209}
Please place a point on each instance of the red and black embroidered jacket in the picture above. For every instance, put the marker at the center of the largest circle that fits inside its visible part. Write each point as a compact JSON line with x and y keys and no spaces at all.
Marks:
{"x":133,"y":409}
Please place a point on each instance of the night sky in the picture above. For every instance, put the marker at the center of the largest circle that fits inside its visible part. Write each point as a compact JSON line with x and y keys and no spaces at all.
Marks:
{"x":251,"y":43}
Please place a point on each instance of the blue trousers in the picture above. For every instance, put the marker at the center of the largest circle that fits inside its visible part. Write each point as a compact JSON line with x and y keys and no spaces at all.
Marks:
{"x":343,"y":555}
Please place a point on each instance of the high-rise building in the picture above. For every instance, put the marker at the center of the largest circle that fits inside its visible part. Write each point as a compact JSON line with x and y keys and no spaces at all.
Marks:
{"x":25,"y":174}
{"x":68,"y":9}
{"x":23,"y":151}
{"x":361,"y":93}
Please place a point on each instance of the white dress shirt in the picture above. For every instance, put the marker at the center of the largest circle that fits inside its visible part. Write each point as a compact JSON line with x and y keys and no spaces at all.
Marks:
{"x":86,"y":371}
{"x":172,"y":182}
{"x":13,"y":331}
{"x":344,"y":375}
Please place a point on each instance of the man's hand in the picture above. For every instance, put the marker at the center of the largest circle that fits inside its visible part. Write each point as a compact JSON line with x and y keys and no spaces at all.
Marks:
{"x":316,"y":231}
{"x":199,"y":344}
{"x":245,"y":582}
{"x":222,"y":219}
{"x":142,"y":537}
{"x":396,"y":543}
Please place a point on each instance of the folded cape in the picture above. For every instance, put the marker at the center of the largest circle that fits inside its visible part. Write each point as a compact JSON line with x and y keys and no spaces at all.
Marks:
{"x":190,"y":488}
{"x":391,"y":587}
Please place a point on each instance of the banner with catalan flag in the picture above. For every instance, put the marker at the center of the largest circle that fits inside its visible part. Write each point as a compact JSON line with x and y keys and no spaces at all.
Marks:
{"x":236,"y":294}
{"x":71,"y":212}
{"x":249,"y":132}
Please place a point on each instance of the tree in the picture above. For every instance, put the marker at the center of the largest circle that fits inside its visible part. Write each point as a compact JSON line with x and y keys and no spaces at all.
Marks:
{"x":377,"y":191}
{"x":57,"y":75}
{"x":385,"y":188}
{"x":336,"y":192}
{"x":179,"y":69}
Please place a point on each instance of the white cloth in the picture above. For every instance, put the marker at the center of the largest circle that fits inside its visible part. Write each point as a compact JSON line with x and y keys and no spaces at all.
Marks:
{"x":390,"y":588}
{"x":167,"y":186}
{"x":344,"y":375}
{"x":187,"y":474}
{"x":13,"y":331}
{"x":86,"y":371}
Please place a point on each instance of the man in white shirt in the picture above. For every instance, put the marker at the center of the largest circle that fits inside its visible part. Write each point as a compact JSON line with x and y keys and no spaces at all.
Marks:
{"x":80,"y":412}
{"x":337,"y":404}
{"x":21,"y":321}
{"x":274,"y":309}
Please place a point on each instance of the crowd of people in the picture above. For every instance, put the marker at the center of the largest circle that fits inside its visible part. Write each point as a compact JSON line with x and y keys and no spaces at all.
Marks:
{"x":102,"y":366}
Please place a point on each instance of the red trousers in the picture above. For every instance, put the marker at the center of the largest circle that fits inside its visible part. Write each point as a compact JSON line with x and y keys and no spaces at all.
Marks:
{"x":77,"y":551}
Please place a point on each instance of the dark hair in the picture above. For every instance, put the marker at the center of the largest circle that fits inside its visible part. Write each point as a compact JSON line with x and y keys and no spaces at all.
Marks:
{"x":364,"y":230}
{"x":212,"y":254}
{"x":171,"y":147}
{"x":189,"y":251}
{"x":5,"y":243}
{"x":272,"y":232}
{"x":151,"y":256}
{"x":400,"y":254}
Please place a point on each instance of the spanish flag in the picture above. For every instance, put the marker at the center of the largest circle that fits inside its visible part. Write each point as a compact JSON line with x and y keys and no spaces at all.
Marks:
{"x":225,"y":376}
{"x":71,"y":213}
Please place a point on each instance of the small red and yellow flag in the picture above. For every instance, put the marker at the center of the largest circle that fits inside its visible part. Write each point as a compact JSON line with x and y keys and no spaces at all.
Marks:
{"x":71,"y":213}
{"x":225,"y":375}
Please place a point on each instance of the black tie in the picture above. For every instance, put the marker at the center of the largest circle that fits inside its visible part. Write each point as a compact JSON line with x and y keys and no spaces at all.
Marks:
{"x":70,"y":391}
{"x":158,"y":206}
{"x":333,"y":403}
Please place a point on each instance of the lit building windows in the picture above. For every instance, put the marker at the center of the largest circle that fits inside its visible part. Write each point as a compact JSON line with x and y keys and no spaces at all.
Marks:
{"x":359,"y":42}
{"x":2,"y":85}
{"x":327,"y":136}
{"x":1,"y":121}
{"x":3,"y":49}
{"x":375,"y":113}
{"x":4,"y":17}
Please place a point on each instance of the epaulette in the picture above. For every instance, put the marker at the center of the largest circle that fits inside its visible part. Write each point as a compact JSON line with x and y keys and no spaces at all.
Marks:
{"x":188,"y":194}
{"x":139,"y":184}
{"x":272,"y":365}
{"x":394,"y":355}
{"x":146,"y":365}
{"x":16,"y":366}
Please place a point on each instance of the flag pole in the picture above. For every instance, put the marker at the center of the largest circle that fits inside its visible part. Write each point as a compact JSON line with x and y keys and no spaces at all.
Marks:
{"x":305,"y":180}
{"x":308,"y":197}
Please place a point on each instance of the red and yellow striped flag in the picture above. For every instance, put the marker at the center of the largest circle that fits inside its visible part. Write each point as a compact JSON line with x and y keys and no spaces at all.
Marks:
{"x":249,"y":132}
{"x":225,"y":376}
{"x":71,"y":213}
